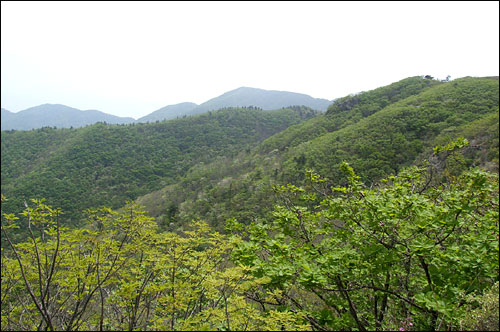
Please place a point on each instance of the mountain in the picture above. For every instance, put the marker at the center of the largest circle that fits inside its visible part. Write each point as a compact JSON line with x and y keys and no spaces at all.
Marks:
{"x":7,"y":116}
{"x":379,"y":137}
{"x":168,"y":112}
{"x":348,"y":110}
{"x":241,"y":97}
{"x":376,"y":246}
{"x":222,"y":164}
{"x":60,"y":116}
{"x":378,"y":132}
{"x":265,"y":99}
{"x":82,"y":168}
{"x":56,"y":115}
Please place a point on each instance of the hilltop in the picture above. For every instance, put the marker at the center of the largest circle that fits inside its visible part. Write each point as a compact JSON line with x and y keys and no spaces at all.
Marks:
{"x":56,"y":115}
{"x":61,"y":116}
{"x":265,"y":99}
{"x":168,"y":112}
{"x":379,"y":132}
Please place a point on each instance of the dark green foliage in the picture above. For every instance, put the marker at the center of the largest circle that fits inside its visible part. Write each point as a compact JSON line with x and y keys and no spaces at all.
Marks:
{"x":398,"y":135}
{"x":382,"y":143}
{"x":78,"y":169}
{"x":226,"y":188}
{"x":347,"y":111}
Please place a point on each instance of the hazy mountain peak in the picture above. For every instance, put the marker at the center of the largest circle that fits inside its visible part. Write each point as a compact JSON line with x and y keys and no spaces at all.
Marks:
{"x":265,"y":99}
{"x":169,"y":112}
{"x":62,"y":116}
{"x":56,"y":115}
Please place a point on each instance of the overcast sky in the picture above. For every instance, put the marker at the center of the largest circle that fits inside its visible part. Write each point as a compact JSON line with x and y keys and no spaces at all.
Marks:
{"x":132,"y":58}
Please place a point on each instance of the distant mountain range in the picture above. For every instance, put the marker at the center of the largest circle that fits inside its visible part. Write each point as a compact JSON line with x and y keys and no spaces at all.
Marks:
{"x":56,"y":115}
{"x":241,"y":97}
{"x":60,"y":116}
{"x":168,"y":112}
{"x":265,"y":99}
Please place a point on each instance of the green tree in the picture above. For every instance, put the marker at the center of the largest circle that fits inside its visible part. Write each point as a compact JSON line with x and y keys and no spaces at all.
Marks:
{"x":404,"y":254}
{"x":119,"y":273}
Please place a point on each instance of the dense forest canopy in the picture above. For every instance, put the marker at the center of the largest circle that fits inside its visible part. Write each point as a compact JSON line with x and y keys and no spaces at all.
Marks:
{"x":380,"y":214}
{"x":424,"y":113}
{"x":77,"y":169}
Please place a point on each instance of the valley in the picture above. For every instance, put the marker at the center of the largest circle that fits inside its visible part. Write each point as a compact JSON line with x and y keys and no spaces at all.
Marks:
{"x":374,"y":211}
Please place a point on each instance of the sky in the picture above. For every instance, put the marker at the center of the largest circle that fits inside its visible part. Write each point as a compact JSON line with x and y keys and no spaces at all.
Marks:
{"x":132,"y":58}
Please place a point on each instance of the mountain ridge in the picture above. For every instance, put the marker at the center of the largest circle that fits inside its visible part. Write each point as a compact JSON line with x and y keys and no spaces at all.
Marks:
{"x":168,"y":112}
{"x":56,"y":115}
{"x":67,"y":116}
{"x":240,"y":97}
{"x":261,"y":98}
{"x":389,"y":128}
{"x":113,"y":163}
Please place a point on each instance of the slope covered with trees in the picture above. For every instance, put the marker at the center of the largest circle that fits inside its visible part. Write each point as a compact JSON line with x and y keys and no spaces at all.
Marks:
{"x":381,"y":214}
{"x":347,"y":111}
{"x":81,"y":168}
{"x":378,"y":145}
{"x":408,"y":254}
{"x":424,"y":113}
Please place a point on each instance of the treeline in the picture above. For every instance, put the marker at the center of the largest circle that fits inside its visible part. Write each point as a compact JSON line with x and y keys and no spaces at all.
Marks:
{"x":415,"y":252}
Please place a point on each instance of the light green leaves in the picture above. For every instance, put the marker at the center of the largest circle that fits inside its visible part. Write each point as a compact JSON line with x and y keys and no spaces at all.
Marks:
{"x":398,"y":248}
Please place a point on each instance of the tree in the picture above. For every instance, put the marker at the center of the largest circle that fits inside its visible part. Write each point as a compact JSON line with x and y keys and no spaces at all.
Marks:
{"x":66,"y":273}
{"x":119,"y":273}
{"x":404,"y":254}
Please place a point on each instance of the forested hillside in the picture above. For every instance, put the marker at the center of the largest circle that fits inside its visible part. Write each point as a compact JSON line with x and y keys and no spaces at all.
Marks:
{"x":77,"y":169}
{"x":423,"y":113}
{"x":379,"y":144}
{"x":380,"y":214}
{"x":347,"y":111}
{"x":405,"y":255}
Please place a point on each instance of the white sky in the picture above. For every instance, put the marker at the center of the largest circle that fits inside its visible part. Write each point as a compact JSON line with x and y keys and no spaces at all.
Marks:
{"x":132,"y":58}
